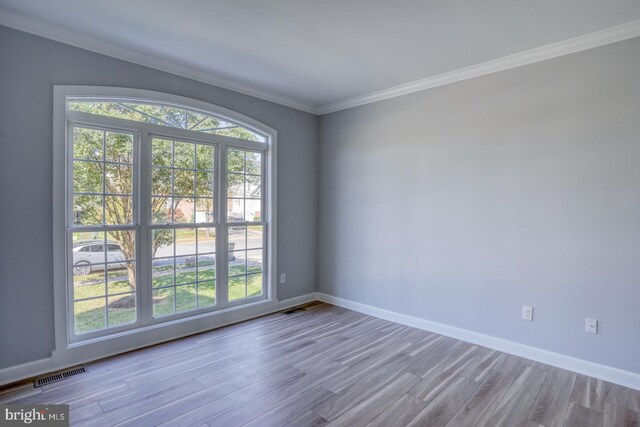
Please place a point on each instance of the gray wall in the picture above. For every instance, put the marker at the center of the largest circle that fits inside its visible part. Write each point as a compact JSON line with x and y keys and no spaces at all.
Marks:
{"x":462,"y":203}
{"x":457,"y":204}
{"x":29,"y":67}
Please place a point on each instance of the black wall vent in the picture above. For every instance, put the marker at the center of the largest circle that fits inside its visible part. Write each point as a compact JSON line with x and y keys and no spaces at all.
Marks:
{"x":58,"y":376}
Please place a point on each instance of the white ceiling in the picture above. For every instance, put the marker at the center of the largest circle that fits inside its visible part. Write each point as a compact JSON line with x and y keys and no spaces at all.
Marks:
{"x":315,"y":53}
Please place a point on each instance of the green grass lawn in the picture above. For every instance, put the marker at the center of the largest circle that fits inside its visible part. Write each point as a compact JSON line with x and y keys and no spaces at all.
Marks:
{"x":237,"y":287}
{"x":91,"y":314}
{"x":92,"y":285}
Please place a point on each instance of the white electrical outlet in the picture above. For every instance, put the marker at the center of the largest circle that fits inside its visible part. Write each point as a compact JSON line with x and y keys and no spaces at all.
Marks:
{"x":527,"y":313}
{"x":591,"y":326}
{"x":283,"y":278}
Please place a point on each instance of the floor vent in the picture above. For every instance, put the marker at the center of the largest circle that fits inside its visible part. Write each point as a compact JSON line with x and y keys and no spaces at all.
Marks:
{"x":58,"y":376}
{"x":294,"y":310}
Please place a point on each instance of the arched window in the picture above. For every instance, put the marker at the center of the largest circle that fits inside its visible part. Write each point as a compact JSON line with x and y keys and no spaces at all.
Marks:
{"x":169,"y":209}
{"x":163,"y":114}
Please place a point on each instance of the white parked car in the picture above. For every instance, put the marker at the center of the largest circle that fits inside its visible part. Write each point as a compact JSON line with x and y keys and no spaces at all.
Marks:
{"x":89,"y":256}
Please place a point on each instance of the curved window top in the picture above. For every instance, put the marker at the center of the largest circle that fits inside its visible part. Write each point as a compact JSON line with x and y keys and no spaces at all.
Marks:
{"x":170,"y":115}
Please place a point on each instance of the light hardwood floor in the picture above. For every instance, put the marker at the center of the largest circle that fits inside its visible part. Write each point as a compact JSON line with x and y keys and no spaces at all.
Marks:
{"x":330,"y":366}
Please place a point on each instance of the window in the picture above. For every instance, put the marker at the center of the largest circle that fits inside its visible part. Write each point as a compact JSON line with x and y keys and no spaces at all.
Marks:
{"x":166,"y":115}
{"x":166,"y":214}
{"x":244,"y":205}
{"x":183,"y":249}
{"x":102,"y":200}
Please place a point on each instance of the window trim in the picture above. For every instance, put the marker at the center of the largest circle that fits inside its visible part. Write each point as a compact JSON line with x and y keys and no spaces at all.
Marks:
{"x":62,"y":122}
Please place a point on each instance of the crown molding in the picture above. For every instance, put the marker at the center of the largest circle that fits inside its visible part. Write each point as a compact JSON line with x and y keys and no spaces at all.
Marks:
{"x":610,"y":35}
{"x":27,"y":24}
{"x":565,"y":47}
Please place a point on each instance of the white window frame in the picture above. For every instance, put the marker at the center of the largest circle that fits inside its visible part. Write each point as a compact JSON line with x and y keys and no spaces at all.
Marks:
{"x":145,"y":324}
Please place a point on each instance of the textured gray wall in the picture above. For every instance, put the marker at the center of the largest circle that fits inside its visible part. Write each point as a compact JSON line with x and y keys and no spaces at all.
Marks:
{"x":462,"y":203}
{"x":29,"y":67}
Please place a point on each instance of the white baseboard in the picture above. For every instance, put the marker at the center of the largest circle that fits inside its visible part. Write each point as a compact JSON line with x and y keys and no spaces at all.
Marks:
{"x":25,"y":370}
{"x":64,"y":359}
{"x":602,"y":372}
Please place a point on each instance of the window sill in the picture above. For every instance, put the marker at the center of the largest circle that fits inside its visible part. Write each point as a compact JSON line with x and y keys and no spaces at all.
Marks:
{"x":121,"y":342}
{"x":159,"y":324}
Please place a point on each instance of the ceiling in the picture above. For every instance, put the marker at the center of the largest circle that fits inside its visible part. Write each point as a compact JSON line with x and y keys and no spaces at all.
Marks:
{"x":311,"y":54}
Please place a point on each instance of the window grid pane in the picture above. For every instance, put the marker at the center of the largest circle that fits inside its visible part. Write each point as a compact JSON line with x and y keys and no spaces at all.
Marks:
{"x":182,"y":182}
{"x":183,"y":269}
{"x":244,"y":186}
{"x":102,"y":177}
{"x":104,"y":279}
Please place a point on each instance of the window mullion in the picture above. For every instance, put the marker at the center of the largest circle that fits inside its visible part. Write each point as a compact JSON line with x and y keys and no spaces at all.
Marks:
{"x":266,"y":230}
{"x":143,"y":287}
{"x":70,"y":332}
{"x":222,"y":242}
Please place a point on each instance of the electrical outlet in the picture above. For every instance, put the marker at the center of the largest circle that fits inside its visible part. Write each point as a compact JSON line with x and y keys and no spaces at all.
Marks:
{"x":283,"y":278}
{"x":591,"y":326}
{"x":527,"y":313}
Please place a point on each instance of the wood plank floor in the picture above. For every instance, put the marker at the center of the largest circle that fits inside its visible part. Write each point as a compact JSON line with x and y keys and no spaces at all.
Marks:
{"x":327,"y":365}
